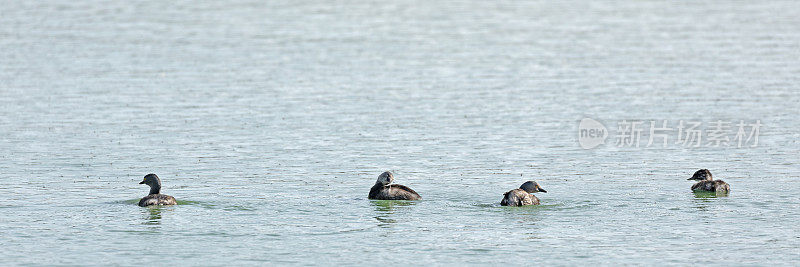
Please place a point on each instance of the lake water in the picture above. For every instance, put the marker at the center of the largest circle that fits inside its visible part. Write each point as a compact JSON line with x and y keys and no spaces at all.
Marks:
{"x":271,"y":121}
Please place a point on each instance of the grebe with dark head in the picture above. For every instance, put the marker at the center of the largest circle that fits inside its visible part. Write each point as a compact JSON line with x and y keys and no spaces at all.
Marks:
{"x":385,"y":190}
{"x":523,"y":195}
{"x":706,"y":183}
{"x":155,"y":197}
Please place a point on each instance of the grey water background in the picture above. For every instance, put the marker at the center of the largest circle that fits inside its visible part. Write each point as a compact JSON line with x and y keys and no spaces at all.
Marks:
{"x":270,"y":120}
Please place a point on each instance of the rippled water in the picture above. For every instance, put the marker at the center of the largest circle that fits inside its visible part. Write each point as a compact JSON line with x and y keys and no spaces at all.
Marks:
{"x":270,"y":122}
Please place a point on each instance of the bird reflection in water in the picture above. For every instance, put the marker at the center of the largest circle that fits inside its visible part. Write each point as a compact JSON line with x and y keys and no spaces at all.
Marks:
{"x":385,"y":209}
{"x":153,"y":215}
{"x":703,"y":198}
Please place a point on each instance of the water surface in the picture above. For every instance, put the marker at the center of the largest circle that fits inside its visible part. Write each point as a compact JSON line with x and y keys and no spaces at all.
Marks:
{"x":271,"y":121}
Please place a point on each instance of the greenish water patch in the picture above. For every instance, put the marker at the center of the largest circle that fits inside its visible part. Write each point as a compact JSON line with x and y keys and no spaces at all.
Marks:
{"x":526,"y":207}
{"x":343,"y":231}
{"x":129,"y":201}
{"x":540,"y":206}
{"x":394,"y":202}
{"x":391,"y":205}
{"x":189,"y":202}
{"x":707,"y":194}
{"x":236,"y":207}
{"x":154,"y":214}
{"x":179,"y":203}
{"x":152,"y":231}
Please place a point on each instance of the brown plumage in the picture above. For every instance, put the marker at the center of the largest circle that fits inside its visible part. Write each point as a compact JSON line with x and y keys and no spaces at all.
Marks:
{"x":523,"y":196}
{"x":519,"y":197}
{"x":713,"y":186}
{"x":155,"y":197}
{"x":384,"y":190}
{"x":706,"y":182}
